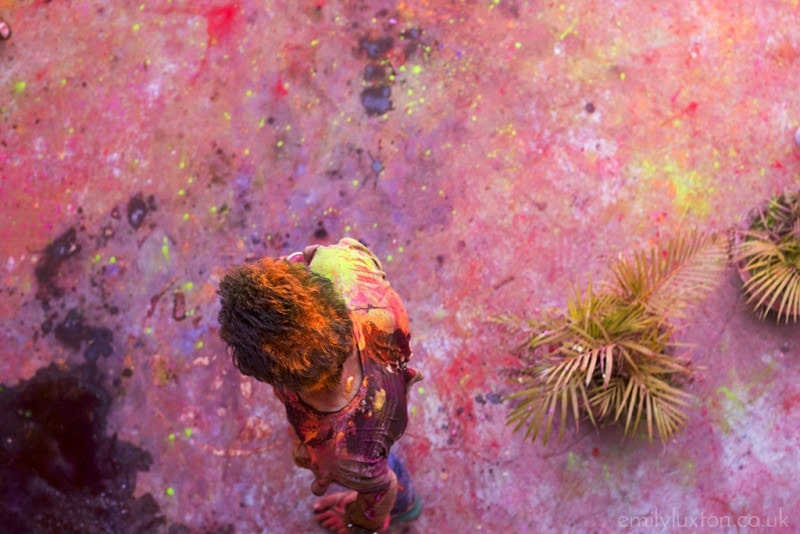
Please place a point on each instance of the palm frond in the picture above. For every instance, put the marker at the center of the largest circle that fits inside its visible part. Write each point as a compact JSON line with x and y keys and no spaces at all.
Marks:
{"x":669,"y":280}
{"x":649,"y":394}
{"x":539,"y":403}
{"x":610,"y":357}
{"x":776,"y":287}
{"x":768,"y":256}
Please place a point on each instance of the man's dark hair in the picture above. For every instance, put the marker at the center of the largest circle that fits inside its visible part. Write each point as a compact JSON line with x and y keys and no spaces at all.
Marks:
{"x":285,"y":325}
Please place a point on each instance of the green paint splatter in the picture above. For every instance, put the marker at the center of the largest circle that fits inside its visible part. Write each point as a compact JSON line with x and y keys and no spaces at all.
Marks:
{"x":730,"y":395}
{"x":187,"y":432}
{"x":170,"y":491}
{"x":572,"y":460}
{"x":165,"y":248}
{"x":690,"y":190}
{"x":733,"y":408}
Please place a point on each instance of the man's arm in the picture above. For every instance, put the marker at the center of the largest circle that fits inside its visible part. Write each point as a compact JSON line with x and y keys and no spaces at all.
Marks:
{"x":347,"y":512}
{"x":370,"y":512}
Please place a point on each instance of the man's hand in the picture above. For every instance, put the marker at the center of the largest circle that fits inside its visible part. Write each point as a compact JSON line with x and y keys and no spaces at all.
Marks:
{"x":331,"y":511}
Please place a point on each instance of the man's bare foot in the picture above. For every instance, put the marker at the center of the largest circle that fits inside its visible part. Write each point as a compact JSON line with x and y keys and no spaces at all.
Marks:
{"x":330,"y":510}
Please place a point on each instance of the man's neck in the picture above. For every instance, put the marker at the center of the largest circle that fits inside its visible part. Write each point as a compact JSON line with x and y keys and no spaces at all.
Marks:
{"x":337,"y":398}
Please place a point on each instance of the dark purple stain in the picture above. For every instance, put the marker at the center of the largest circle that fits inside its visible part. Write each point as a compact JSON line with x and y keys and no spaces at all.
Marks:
{"x":376,"y":48}
{"x":138,"y":209}
{"x":377,"y":100}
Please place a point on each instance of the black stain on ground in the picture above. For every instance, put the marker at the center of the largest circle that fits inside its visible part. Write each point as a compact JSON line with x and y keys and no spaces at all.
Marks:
{"x":73,"y":331}
{"x":98,"y":339}
{"x":320,"y":233}
{"x":56,"y":253}
{"x":377,"y":96}
{"x":178,"y":306}
{"x":494,"y":398}
{"x":376,"y":48}
{"x":412,"y":36}
{"x":59,"y":470}
{"x":69,"y":332}
{"x":379,"y":75}
{"x":138,"y":209}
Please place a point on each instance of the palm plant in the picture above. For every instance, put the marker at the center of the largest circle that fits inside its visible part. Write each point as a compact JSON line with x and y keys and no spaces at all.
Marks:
{"x":612,"y":357}
{"x":768,"y":256}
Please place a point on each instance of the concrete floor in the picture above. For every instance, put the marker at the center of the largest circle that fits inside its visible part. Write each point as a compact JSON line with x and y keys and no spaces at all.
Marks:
{"x":492,"y":153}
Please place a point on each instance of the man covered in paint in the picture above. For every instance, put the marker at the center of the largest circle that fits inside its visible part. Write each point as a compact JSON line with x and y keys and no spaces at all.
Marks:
{"x":327,"y":331}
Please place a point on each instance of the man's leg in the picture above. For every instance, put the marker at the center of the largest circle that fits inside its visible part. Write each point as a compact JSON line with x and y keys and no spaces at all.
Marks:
{"x":405,"y":500}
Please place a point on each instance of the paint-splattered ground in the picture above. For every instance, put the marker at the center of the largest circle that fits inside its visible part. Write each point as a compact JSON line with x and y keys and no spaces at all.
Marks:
{"x":491,"y":152}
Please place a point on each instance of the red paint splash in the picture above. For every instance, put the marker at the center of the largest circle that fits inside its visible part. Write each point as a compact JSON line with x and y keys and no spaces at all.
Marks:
{"x":220,"y":21}
{"x":279,"y":89}
{"x":219,"y":26}
{"x":595,"y":452}
{"x":791,"y":402}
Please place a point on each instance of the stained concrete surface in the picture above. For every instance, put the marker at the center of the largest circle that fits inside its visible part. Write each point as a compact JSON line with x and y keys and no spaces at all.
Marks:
{"x":492,"y":153}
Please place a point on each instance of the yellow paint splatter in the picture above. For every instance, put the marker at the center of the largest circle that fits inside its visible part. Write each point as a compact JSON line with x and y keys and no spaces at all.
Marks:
{"x":690,"y":190}
{"x":380,"y":400}
{"x":348,"y":387}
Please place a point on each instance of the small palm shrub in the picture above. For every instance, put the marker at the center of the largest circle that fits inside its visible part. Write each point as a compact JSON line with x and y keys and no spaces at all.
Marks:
{"x":767,"y":254}
{"x":611,"y":356}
